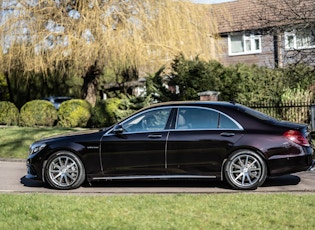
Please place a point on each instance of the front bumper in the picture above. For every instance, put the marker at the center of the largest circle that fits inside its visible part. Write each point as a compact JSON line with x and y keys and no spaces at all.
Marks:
{"x":33,"y":172}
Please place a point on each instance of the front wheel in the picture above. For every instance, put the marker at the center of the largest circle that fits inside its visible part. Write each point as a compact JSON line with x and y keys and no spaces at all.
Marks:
{"x":245,"y":169}
{"x":64,"y":170}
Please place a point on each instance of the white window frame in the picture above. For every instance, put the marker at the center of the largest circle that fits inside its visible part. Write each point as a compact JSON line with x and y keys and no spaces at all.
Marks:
{"x":251,"y":38}
{"x":294,"y":45}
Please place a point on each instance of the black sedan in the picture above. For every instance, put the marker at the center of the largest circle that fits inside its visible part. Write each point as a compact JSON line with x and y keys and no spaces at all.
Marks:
{"x":176,"y":140}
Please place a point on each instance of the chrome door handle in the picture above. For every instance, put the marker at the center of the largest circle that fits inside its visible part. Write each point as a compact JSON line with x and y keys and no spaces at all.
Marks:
{"x":155,"y":136}
{"x":226,"y":134}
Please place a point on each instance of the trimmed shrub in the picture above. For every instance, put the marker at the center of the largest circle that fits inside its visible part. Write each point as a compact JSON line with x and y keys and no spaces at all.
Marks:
{"x":38,"y":113}
{"x":9,"y":113}
{"x":117,"y":109}
{"x":74,"y":113}
{"x":106,"y":113}
{"x":98,"y":115}
{"x":112,"y":110}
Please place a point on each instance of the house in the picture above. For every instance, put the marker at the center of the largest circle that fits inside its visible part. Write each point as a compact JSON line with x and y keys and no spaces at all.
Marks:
{"x":271,"y":33}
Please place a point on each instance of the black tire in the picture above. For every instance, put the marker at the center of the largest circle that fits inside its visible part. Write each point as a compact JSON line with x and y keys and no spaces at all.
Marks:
{"x":64,"y":170}
{"x":245,"y":169}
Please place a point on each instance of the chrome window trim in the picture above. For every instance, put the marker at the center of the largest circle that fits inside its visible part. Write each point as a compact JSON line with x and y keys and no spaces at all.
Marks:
{"x":240,"y":128}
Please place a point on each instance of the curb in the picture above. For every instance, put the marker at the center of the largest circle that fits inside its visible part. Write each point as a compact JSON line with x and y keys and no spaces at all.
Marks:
{"x":12,"y":160}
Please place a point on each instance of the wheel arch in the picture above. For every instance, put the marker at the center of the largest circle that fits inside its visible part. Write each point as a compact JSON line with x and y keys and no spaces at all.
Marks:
{"x":73,"y":148}
{"x":259,"y":152}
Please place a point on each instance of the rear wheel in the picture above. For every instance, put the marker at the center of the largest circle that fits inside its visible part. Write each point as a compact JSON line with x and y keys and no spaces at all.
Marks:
{"x":245,"y":169}
{"x":64,"y":170}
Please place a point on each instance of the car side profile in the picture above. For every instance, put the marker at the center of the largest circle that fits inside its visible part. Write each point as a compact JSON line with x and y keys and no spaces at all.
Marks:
{"x":176,"y":140}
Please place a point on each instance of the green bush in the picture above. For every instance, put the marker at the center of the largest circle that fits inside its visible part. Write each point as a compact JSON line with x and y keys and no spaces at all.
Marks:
{"x":106,"y":113}
{"x":74,"y":113}
{"x":99,"y":117}
{"x":118,"y":108}
{"x":112,"y":110}
{"x":9,"y":113}
{"x":38,"y":113}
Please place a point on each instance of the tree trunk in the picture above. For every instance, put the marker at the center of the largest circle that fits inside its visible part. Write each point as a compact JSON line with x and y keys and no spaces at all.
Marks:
{"x":90,"y":93}
{"x":90,"y":85}
{"x":6,"y":74}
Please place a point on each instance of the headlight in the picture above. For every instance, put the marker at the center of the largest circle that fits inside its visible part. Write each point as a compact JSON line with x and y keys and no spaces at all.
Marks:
{"x":35,"y":148}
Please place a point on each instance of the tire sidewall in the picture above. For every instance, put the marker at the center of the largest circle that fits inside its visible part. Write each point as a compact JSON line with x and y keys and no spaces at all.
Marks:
{"x":251,"y":153}
{"x":81,"y":174}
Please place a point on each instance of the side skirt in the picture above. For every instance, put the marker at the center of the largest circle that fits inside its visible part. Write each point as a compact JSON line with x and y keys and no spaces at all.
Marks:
{"x":162,"y":177}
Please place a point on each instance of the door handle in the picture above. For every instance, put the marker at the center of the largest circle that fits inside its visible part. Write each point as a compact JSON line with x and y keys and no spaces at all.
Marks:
{"x":226,"y":134}
{"x":155,"y":136}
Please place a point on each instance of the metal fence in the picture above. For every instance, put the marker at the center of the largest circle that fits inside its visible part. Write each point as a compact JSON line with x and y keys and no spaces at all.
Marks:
{"x":294,"y":111}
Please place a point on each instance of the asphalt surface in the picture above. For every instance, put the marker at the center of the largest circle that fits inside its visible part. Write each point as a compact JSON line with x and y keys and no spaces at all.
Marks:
{"x":13,"y":181}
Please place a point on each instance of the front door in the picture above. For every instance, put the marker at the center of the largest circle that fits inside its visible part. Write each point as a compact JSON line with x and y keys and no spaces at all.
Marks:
{"x":137,"y":146}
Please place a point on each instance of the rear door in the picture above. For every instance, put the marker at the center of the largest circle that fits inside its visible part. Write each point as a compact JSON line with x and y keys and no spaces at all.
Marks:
{"x":200,"y":141}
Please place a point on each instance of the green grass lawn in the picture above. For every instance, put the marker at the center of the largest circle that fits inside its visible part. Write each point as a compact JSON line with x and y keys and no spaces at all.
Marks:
{"x":181,"y":211}
{"x":15,"y":141}
{"x":215,"y":211}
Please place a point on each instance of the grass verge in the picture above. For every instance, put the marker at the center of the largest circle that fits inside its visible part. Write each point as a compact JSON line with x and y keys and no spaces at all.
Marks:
{"x":225,"y":211}
{"x":15,"y":141}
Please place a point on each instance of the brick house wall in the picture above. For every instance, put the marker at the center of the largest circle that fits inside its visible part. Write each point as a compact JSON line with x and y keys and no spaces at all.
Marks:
{"x":265,"y":58}
{"x":239,"y":17}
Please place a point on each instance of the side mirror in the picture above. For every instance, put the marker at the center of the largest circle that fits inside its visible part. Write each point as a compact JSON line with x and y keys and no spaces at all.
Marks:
{"x":118,"y":129}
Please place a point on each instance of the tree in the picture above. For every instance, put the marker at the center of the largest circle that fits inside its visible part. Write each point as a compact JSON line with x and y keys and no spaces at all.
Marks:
{"x":194,"y":76}
{"x":292,"y":24}
{"x":85,"y":37}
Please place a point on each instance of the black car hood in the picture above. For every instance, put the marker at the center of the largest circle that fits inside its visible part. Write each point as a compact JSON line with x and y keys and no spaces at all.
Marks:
{"x":70,"y":135}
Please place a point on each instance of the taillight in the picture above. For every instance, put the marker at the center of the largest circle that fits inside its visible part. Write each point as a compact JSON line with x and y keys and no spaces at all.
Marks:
{"x":297,"y":137}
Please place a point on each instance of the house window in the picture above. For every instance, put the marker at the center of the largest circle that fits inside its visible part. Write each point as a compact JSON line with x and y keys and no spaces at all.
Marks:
{"x":244,"y":44}
{"x":300,"y":39}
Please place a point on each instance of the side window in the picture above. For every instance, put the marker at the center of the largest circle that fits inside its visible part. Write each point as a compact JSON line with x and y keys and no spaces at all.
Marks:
{"x":153,"y":120}
{"x":227,"y":123}
{"x":195,"y":118}
{"x":199,"y":118}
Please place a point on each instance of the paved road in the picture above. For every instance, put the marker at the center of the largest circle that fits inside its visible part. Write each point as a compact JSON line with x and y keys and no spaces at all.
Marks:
{"x":13,"y":181}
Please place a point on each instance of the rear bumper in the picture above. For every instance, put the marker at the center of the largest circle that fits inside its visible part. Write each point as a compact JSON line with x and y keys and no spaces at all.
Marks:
{"x":289,"y":165}
{"x":312,"y":168}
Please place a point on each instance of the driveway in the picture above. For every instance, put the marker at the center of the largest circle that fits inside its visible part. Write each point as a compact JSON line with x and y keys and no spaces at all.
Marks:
{"x":13,"y":181}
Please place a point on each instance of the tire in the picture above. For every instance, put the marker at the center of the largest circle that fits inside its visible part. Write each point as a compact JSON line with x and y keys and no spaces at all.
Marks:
{"x":245,"y":169}
{"x":64,"y":170}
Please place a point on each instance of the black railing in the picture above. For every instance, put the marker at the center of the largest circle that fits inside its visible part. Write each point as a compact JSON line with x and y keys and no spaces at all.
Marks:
{"x":294,"y":111}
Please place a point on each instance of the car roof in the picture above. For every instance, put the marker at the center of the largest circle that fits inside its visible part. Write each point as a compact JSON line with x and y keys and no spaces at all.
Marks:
{"x":196,"y":103}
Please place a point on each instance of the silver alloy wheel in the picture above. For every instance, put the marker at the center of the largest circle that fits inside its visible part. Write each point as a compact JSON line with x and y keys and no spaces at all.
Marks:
{"x":64,"y":170}
{"x":245,"y":170}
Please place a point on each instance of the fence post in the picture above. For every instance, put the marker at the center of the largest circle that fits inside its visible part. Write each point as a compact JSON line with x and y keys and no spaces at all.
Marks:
{"x":313,"y":117}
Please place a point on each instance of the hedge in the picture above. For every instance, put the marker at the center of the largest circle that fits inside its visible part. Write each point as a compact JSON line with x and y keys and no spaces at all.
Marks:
{"x":38,"y":113}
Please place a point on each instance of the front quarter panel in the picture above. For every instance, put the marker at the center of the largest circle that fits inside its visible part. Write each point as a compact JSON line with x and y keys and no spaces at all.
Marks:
{"x":86,"y":147}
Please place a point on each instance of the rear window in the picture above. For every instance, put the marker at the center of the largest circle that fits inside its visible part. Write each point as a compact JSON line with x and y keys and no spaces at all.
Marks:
{"x":255,"y":113}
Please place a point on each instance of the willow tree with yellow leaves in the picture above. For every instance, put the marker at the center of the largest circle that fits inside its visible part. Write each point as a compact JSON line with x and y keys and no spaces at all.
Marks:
{"x":85,"y":37}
